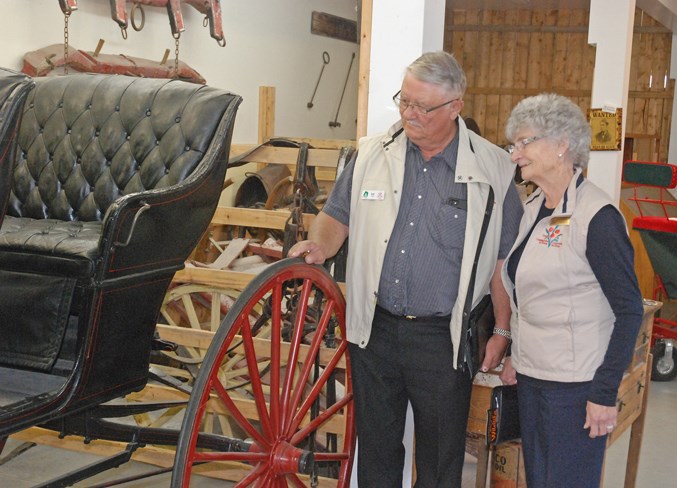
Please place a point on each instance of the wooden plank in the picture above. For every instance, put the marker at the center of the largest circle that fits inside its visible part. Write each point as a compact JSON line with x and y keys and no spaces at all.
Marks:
{"x":202,"y":339}
{"x":522,"y":55}
{"x":637,"y":434}
{"x":328,"y":25}
{"x":288,"y":155}
{"x":536,"y":52}
{"x":254,"y":217}
{"x":561,"y":53}
{"x":364,"y":68}
{"x":266,"y":113}
{"x":552,"y":29}
{"x":575,"y":57}
{"x":152,"y":455}
{"x":215,"y":277}
{"x":219,"y":277}
{"x":229,"y":254}
{"x":317,"y":143}
{"x":547,"y":49}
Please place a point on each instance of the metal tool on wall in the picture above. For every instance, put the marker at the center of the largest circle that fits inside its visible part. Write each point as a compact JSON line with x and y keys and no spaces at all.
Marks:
{"x":325,"y":62}
{"x":335,"y":122}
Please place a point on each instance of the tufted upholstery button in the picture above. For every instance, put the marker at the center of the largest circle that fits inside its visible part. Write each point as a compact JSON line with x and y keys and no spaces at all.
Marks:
{"x":128,"y":137}
{"x":61,"y":105}
{"x":177,"y":120}
{"x":166,"y":171}
{"x":97,"y":133}
{"x":69,"y":131}
{"x":148,"y":113}
{"x":89,"y":106}
{"x":108,"y":163}
{"x":157,"y":143}
{"x":187,"y":148}
{"x":117,"y":108}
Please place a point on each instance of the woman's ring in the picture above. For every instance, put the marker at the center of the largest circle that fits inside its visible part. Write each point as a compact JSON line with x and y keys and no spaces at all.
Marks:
{"x":609,"y":427}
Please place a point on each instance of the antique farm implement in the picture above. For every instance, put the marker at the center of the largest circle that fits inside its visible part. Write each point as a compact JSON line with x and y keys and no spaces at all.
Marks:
{"x":658,"y":229}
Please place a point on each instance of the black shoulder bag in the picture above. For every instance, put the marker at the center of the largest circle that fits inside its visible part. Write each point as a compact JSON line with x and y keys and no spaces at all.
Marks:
{"x":478,"y":323}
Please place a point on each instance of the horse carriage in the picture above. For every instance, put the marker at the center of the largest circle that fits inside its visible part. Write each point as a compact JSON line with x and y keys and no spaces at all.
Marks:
{"x":657,"y":225}
{"x":108,"y":182}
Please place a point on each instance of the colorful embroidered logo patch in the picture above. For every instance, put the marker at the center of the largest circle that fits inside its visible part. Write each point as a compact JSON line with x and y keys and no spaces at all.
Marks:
{"x":551,"y":236}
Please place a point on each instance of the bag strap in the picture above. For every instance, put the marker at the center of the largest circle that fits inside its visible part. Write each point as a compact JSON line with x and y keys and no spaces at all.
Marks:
{"x":465,"y":330}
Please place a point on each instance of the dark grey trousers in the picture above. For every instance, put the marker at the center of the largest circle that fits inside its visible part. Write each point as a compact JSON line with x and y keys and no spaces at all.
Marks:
{"x":409,"y":361}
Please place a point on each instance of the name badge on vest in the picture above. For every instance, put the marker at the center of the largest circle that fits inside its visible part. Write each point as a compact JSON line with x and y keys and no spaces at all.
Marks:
{"x":560,"y":220}
{"x":373,"y":195}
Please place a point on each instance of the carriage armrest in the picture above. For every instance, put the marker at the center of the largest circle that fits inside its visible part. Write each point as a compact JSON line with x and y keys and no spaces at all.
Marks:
{"x":14,"y":88}
{"x":140,"y":230}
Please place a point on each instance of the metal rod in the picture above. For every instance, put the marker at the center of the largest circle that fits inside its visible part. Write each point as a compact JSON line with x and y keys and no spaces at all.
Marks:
{"x":335,"y":122}
{"x":325,"y":62}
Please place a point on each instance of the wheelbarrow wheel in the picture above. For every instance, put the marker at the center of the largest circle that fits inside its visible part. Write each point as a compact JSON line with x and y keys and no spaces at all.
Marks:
{"x":298,"y":412}
{"x":664,"y":366}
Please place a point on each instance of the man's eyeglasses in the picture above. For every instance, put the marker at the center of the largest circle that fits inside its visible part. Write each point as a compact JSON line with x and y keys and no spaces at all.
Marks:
{"x":404,"y":104}
{"x":520,"y":145}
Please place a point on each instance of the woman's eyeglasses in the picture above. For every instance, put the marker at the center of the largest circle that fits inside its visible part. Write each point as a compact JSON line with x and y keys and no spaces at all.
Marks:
{"x":520,"y":145}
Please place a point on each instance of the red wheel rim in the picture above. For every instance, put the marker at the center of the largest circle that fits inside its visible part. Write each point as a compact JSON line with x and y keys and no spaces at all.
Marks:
{"x":304,"y":435}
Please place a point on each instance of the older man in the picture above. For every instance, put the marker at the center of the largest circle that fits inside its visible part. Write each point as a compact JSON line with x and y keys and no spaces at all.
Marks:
{"x":414,"y":201}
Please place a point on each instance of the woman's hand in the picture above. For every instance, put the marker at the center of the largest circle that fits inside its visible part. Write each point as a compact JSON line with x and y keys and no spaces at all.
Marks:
{"x":508,"y":376}
{"x":601,"y":420}
{"x":494,"y":352}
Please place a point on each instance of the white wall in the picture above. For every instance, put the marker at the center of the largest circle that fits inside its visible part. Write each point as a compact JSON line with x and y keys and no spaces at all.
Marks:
{"x":268,"y":44}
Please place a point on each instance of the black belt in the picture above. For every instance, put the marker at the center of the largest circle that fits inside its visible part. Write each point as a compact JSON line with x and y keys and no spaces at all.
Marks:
{"x":414,"y":318}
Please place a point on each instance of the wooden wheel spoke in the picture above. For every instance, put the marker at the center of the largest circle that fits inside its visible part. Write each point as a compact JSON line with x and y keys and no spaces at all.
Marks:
{"x":315,"y":423}
{"x":308,"y":364}
{"x":238,"y":416}
{"x":317,"y":388}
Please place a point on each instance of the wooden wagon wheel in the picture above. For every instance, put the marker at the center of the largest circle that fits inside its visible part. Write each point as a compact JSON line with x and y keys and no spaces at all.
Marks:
{"x":299,"y":418}
{"x":202,"y":308}
{"x":199,"y":309}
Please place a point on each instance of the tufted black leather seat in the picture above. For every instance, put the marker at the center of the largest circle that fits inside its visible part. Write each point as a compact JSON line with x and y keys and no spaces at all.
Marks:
{"x":113,"y":181}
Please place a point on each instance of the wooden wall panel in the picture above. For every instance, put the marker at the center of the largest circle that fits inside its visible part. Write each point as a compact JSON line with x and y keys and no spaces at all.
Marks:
{"x":511,"y":54}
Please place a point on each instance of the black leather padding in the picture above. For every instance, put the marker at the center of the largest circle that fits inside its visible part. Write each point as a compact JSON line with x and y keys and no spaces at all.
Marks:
{"x":85,"y":140}
{"x":34,"y":316}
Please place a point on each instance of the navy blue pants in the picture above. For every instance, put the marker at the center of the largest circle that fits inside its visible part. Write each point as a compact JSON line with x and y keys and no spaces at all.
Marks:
{"x":409,"y":361}
{"x":558,"y":452}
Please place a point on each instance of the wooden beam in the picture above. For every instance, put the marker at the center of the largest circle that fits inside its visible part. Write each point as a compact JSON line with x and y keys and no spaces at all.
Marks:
{"x":221,"y":277}
{"x":323,"y":24}
{"x":266,"y":113}
{"x":553,"y":29}
{"x":363,"y":75}
{"x":327,"y":158}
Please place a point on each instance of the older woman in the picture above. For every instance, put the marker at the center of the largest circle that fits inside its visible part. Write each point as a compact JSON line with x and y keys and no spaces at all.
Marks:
{"x":575,"y":300}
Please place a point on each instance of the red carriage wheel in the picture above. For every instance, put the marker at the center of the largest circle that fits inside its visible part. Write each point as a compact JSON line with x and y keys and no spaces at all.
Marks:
{"x":298,"y":412}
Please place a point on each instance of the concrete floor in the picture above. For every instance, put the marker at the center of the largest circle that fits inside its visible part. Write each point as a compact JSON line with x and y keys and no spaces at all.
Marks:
{"x":657,"y":467}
